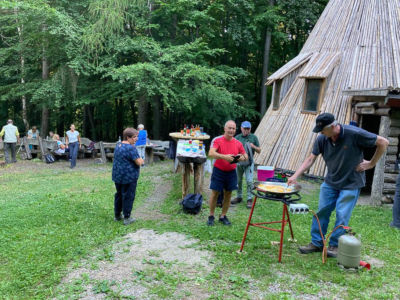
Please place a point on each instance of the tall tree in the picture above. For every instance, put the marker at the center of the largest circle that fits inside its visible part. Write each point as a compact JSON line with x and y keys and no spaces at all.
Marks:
{"x":45,"y":76}
{"x":267,"y":47}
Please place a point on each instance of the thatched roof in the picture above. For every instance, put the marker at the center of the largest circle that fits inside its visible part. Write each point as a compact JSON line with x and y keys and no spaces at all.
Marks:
{"x":355,"y":45}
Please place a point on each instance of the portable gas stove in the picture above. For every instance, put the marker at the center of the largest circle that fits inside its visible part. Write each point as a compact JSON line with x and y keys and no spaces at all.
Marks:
{"x":279,"y":191}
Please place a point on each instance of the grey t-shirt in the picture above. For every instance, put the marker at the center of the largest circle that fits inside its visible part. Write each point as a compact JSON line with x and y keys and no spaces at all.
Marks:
{"x":343,"y":156}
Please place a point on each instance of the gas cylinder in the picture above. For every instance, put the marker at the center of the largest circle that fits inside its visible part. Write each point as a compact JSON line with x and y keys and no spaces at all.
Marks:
{"x":349,"y":251}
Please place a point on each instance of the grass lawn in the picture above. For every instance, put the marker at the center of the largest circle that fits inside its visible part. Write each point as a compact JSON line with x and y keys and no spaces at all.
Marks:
{"x":53,"y":217}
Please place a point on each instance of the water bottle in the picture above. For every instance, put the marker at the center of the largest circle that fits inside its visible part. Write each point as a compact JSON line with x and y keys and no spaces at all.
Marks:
{"x":119,"y":139}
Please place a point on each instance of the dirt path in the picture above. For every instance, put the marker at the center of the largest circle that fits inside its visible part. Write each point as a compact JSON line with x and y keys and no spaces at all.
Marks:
{"x":161,"y":179}
{"x":143,"y":264}
{"x":36,"y":165}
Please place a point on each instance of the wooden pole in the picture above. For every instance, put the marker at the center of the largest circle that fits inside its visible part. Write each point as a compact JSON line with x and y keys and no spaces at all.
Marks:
{"x":198,"y":178}
{"x":103,"y":153}
{"x":379,"y":173}
{"x":42,"y":148}
{"x":185,"y":179}
{"x":27,"y":150}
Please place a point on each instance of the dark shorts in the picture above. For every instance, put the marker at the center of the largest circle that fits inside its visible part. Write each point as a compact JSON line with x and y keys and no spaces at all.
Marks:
{"x":221,"y":180}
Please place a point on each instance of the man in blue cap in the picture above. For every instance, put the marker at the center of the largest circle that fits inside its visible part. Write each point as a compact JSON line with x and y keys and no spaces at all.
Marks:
{"x":341,"y":147}
{"x":251,"y":144}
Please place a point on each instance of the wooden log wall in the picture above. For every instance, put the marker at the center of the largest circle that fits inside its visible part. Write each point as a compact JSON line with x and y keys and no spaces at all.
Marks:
{"x":391,"y":171}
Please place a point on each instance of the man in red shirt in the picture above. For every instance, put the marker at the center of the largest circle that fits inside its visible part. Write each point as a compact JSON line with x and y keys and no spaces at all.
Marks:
{"x":227,"y":151}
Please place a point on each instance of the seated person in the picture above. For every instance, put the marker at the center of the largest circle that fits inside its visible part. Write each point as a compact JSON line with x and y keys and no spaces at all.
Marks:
{"x":51,"y":136}
{"x":33,"y":133}
{"x":60,"y":146}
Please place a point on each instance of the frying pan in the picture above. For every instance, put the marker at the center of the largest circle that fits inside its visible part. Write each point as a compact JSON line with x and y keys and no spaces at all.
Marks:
{"x":295,"y":190}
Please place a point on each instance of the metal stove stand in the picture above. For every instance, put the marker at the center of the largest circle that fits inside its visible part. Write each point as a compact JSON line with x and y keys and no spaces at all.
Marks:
{"x":285,"y":199}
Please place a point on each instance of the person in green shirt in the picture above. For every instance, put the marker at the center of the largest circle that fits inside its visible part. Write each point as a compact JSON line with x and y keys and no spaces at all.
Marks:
{"x":251,"y":144}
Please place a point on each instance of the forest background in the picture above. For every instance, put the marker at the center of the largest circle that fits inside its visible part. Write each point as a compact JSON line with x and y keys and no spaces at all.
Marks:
{"x":108,"y":64}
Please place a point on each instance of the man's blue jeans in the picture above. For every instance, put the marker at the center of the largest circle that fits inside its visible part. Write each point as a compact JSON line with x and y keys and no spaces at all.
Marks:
{"x":73,"y":152}
{"x":329,"y":200}
{"x":248,"y":172}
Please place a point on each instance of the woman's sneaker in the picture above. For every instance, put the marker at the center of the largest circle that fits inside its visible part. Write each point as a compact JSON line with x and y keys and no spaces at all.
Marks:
{"x":129,"y":220}
{"x":224,"y":220}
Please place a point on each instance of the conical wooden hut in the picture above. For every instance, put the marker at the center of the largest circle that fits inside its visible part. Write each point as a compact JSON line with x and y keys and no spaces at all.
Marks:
{"x":349,"y":66}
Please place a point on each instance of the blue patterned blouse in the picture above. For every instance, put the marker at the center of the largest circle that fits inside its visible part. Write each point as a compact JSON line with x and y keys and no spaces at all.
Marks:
{"x":124,"y":168}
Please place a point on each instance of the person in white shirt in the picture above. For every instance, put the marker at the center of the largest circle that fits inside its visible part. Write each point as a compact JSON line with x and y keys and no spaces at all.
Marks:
{"x":73,"y":143}
{"x":33,"y":133}
{"x":60,"y":146}
{"x":11,"y":137}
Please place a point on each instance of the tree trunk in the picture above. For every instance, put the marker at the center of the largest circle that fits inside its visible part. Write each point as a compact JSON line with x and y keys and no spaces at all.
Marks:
{"x":119,"y":105}
{"x":45,"y":76}
{"x":60,"y":126}
{"x":93,"y":134}
{"x":267,"y":47}
{"x":133,"y":111}
{"x":22,"y":61}
{"x":142,"y":111}
{"x":156,"y":117}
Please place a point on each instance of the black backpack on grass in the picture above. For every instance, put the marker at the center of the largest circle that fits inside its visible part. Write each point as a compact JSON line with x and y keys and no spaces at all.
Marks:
{"x":49,"y":158}
{"x":191,"y":204}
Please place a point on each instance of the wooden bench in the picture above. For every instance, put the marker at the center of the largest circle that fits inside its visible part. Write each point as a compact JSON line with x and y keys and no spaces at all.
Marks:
{"x":107,"y":151}
{"x":85,"y":150}
{"x":160,"y":149}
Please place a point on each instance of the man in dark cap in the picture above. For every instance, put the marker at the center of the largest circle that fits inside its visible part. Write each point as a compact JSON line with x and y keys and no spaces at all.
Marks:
{"x":341,"y":147}
{"x":251,"y":144}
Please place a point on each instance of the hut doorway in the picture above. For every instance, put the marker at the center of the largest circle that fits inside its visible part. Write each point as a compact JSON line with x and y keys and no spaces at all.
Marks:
{"x":370,"y":123}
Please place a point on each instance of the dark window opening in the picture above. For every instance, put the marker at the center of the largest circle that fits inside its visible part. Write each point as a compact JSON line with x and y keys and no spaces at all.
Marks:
{"x":312,"y":95}
{"x":277,"y":94}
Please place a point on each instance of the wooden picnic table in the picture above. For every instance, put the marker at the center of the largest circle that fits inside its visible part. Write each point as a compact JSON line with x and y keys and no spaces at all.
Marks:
{"x":178,"y":136}
{"x":186,"y":163}
{"x":111,"y":146}
{"x":43,"y":146}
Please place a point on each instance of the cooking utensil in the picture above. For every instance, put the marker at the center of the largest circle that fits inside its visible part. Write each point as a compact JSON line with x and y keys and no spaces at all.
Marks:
{"x":294,"y":190}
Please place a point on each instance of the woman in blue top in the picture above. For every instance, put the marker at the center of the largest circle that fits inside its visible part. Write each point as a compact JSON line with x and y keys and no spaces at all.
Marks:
{"x":125,"y":174}
{"x":141,"y":142}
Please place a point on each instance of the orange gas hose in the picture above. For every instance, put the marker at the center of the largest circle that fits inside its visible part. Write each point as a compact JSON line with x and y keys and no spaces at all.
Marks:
{"x":324,"y":249}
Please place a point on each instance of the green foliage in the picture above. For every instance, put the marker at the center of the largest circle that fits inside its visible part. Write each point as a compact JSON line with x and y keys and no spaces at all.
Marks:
{"x":203,"y":59}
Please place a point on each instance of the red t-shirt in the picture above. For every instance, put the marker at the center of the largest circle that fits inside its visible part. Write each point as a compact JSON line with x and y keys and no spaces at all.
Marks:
{"x":223,"y":146}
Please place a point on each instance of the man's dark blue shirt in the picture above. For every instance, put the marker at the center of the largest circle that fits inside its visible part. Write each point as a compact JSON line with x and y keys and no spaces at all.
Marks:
{"x":343,"y":156}
{"x":124,"y":168}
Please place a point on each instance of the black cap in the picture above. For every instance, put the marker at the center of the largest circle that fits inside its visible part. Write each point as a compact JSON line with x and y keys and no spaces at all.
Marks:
{"x":322,"y":121}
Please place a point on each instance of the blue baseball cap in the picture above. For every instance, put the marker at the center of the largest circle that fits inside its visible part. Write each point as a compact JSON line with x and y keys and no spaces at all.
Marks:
{"x":246,"y":124}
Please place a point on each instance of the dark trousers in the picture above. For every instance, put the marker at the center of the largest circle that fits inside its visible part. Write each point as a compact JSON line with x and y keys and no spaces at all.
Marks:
{"x":73,"y":153}
{"x":7,"y":148}
{"x":396,"y":205}
{"x":124,"y":197}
